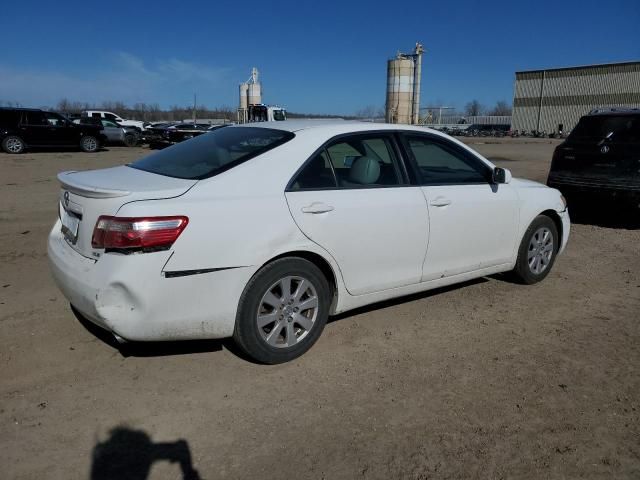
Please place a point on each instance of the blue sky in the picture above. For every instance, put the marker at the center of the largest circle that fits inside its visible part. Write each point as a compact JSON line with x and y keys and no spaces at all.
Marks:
{"x":316,"y":57}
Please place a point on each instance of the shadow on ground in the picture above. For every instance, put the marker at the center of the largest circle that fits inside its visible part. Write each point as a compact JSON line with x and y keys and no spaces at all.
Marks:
{"x":609,"y":215}
{"x":129,"y":455}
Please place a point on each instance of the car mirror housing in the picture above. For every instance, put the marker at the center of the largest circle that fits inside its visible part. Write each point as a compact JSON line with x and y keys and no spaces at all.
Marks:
{"x":501,"y":175}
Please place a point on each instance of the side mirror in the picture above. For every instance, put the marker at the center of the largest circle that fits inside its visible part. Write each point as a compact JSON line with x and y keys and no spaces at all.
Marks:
{"x":501,"y":175}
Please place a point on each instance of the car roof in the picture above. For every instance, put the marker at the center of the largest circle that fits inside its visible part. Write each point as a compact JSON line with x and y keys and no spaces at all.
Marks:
{"x":613,"y":112}
{"x":333,"y":126}
{"x":22,"y":109}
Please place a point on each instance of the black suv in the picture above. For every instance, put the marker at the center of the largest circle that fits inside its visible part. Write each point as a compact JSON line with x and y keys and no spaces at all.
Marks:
{"x":21,"y":128}
{"x":600,"y":159}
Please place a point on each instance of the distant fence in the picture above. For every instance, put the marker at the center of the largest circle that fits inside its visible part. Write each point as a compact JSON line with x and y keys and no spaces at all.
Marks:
{"x":434,"y":119}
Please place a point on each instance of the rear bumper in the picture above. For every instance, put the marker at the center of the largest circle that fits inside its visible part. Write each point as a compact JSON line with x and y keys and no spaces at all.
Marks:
{"x":130,"y":296}
{"x":599,"y":187}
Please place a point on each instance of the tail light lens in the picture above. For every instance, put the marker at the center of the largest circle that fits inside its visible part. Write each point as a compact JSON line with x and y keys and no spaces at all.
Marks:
{"x":123,"y":233}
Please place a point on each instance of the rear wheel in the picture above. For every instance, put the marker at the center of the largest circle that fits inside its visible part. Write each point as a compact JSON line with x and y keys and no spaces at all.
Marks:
{"x":13,"y":144}
{"x":89,"y":144}
{"x":537,"y":251}
{"x":282,"y":311}
{"x":130,"y":140}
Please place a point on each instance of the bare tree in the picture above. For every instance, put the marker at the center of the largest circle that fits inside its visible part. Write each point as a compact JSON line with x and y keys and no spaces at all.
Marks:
{"x":368,"y":112}
{"x":501,"y":108}
{"x":473,"y":108}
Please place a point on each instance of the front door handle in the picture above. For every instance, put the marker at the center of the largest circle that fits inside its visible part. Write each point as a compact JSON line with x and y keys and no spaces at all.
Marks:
{"x":317,"y":207}
{"x":440,"y":202}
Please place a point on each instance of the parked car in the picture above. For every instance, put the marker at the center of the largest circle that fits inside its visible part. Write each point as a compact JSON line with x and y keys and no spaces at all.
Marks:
{"x":23,"y":128}
{"x":261,"y":233}
{"x":114,"y":132}
{"x":600,"y":159}
{"x":140,"y":125}
{"x":169,"y":134}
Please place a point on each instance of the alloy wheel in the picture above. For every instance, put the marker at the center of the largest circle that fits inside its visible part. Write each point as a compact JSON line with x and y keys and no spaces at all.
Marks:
{"x":14,"y":145}
{"x":287,"y":311}
{"x":540,"y":250}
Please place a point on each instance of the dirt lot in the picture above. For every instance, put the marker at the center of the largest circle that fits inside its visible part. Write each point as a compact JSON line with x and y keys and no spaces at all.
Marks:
{"x":485,"y":380}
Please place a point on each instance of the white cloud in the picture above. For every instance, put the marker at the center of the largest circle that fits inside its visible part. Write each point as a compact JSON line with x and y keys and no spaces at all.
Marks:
{"x":124,"y":77}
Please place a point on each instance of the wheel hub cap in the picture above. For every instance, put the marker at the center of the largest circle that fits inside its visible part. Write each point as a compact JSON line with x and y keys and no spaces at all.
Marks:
{"x":540,"y":250}
{"x":287,"y":311}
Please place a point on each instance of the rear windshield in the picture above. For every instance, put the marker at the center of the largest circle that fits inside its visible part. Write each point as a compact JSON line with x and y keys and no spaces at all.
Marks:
{"x":213,"y":152}
{"x":597,"y":127}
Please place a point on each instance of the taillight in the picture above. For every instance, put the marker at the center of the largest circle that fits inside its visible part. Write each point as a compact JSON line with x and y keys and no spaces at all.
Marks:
{"x":123,"y":233}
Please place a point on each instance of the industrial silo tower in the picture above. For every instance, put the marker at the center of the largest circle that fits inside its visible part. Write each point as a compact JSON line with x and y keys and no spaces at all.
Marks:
{"x":250,"y":94}
{"x":404,"y":73}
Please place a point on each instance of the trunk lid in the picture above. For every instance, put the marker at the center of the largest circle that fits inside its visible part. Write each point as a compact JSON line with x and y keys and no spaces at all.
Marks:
{"x":85,"y":196}
{"x":601,"y":161}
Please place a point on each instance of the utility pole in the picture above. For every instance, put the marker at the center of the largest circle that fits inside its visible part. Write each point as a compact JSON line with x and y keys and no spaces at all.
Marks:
{"x":194,"y":108}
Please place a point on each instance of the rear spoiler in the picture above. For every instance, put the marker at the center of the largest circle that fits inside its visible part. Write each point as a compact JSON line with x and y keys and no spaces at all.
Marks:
{"x":67,"y":181}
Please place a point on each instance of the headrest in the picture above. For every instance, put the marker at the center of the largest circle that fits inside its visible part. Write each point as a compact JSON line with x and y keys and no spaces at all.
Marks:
{"x":365,"y":171}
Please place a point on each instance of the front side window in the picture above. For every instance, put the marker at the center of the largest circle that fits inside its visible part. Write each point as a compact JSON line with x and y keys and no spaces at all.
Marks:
{"x":212,"y":152}
{"x":108,"y":123}
{"x":54,"y":119}
{"x":441,"y":164}
{"x":111,"y":116}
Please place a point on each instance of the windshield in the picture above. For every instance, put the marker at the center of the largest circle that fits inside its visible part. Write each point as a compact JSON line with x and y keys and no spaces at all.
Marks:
{"x":213,"y":152}
{"x":598,"y":127}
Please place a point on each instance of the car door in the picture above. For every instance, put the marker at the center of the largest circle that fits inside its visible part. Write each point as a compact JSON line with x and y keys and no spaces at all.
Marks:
{"x":35,"y":129}
{"x":61,"y":131}
{"x":112,"y":131}
{"x":352,"y":198}
{"x":473,"y":222}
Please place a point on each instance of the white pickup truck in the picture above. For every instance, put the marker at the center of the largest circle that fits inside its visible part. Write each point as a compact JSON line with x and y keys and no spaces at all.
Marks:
{"x":115,"y":118}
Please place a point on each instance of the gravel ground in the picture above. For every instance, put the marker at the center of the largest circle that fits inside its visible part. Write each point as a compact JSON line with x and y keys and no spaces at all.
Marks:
{"x":484,"y":380}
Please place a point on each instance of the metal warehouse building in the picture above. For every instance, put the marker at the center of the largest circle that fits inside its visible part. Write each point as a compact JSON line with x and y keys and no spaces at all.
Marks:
{"x":556,"y":99}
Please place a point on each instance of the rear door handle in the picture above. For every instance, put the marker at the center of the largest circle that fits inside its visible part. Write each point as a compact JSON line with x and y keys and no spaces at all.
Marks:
{"x":317,"y":207}
{"x":440,"y":202}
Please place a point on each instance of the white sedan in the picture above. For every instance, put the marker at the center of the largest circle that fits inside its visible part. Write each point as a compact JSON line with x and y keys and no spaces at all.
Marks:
{"x":261,"y":232}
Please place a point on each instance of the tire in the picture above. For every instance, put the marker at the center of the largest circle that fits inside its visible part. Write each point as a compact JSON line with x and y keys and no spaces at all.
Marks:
{"x":130,"y":140}
{"x":537,"y":252}
{"x":89,"y":144}
{"x":275,"y":326}
{"x":13,"y":144}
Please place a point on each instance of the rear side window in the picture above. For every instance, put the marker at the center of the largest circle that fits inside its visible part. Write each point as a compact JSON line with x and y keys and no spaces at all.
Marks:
{"x":35,"y":118}
{"x":213,"y":152}
{"x":9,"y":118}
{"x":354,"y":161}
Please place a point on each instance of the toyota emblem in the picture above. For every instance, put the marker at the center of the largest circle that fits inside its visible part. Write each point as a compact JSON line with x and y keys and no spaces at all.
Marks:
{"x":66,"y":199}
{"x":604,"y":149}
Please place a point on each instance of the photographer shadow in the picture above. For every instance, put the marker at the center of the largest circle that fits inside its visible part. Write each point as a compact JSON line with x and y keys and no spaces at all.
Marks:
{"x":129,"y":455}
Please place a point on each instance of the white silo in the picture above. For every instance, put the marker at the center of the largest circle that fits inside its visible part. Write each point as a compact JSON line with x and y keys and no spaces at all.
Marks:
{"x":403,"y":87}
{"x":243,"y":103}
{"x":255,"y":89}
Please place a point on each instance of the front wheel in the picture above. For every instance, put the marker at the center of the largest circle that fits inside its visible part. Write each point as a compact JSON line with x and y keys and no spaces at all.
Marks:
{"x":537,"y":251}
{"x":89,"y":144}
{"x":13,"y":144}
{"x":282,"y":311}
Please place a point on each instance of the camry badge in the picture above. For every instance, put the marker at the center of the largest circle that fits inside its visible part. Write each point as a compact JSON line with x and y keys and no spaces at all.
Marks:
{"x":66,"y":199}
{"x":604,"y":149}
